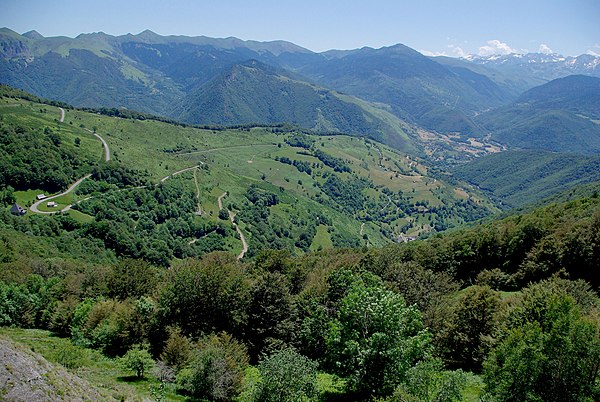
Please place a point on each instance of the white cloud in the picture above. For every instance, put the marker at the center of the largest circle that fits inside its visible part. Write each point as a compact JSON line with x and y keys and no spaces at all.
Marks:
{"x":432,"y":54}
{"x":545,"y":49}
{"x":495,"y":47}
{"x":454,"y":51}
{"x":593,"y":53}
{"x":457,"y":51}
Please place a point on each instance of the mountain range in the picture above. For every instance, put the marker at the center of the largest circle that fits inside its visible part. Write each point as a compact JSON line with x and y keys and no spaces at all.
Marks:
{"x":386,"y":94}
{"x":539,"y":68}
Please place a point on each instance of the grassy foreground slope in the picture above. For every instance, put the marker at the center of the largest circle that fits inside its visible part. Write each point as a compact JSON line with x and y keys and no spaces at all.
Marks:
{"x":65,"y":371}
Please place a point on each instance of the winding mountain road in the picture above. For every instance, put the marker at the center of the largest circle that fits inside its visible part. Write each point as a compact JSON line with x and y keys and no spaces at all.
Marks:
{"x":220,"y":200}
{"x":180,"y":171}
{"x":235,"y":225}
{"x":226,"y":148}
{"x":199,"y":207}
{"x":35,"y":205}
{"x":106,"y":149}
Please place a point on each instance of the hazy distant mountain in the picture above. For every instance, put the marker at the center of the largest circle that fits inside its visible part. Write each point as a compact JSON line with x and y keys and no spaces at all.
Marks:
{"x":562,"y":115}
{"x":539,"y":68}
{"x":549,"y":64}
{"x":377,"y":89}
{"x":513,"y":83}
{"x":149,"y":72}
{"x":577,"y":93}
{"x":416,"y":87}
{"x":254,"y":92}
{"x":146,"y":72}
{"x":85,"y":71}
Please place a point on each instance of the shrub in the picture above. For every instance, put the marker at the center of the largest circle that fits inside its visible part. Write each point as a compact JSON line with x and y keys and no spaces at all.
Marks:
{"x":287,"y":376}
{"x":375,"y":338}
{"x":428,"y":381}
{"x":138,"y":360}
{"x":69,"y":355}
{"x":216,"y":370}
{"x":468,"y":333}
{"x":223,"y":214}
{"x":177,"y":351}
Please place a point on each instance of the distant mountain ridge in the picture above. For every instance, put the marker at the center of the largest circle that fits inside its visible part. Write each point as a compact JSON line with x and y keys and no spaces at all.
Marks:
{"x":253,"y":92}
{"x":369,"y":92}
{"x":554,"y":63}
{"x":561,"y":116}
{"x":539,"y":68}
{"x":417,"y":88}
{"x":578,"y":93}
{"x":151,"y":73}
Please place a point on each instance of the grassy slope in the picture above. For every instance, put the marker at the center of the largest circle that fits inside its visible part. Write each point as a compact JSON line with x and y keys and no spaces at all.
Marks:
{"x":100,"y":371}
{"x":238,"y":158}
{"x":141,"y":144}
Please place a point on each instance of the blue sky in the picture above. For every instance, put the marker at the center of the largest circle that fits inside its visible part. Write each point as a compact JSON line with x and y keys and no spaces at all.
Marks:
{"x":454,"y":28}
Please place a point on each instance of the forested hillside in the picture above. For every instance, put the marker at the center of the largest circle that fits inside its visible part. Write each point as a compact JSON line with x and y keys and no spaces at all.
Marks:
{"x":169,"y":190}
{"x":518,"y":178}
{"x":253,"y":92}
{"x":205,"y":320}
{"x":560,"y":116}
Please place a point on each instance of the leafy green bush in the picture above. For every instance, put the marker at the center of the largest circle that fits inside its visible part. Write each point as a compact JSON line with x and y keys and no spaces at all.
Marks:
{"x":70,"y":356}
{"x":223,"y":214}
{"x":27,"y":304}
{"x":217,"y":369}
{"x":470,"y":325}
{"x":428,"y":381}
{"x":177,"y":351}
{"x":138,"y":360}
{"x":287,"y":376}
{"x":205,"y":296}
{"x":132,"y":279}
{"x":550,"y":351}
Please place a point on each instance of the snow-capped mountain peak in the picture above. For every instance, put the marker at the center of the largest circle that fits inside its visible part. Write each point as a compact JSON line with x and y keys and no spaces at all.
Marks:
{"x":546,"y":65}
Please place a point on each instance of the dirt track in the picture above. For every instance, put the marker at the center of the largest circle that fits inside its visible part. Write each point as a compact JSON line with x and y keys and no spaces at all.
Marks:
{"x":34,"y":207}
{"x":238,"y":230}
